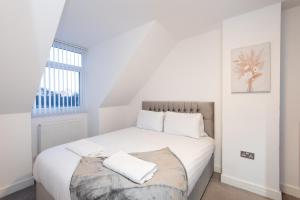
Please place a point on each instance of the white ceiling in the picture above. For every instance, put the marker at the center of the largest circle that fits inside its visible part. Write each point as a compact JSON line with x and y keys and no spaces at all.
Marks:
{"x":89,"y":22}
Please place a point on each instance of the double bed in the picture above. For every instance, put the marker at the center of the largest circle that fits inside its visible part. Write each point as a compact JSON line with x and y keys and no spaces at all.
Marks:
{"x":55,"y":166}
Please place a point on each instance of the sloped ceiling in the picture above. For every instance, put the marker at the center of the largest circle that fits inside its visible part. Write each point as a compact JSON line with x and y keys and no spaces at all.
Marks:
{"x":152,"y":50}
{"x":27,"y":32}
{"x":106,"y":60}
{"x":89,"y":22}
{"x":104,"y":63}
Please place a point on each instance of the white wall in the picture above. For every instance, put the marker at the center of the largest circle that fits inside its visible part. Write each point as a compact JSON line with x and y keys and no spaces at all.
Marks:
{"x":191,"y":72}
{"x":104,"y":63}
{"x":251,"y":121}
{"x":60,"y":129}
{"x":290,"y":106}
{"x":113,"y":118}
{"x":27,"y":31}
{"x":15,"y":152}
{"x":118,"y":68}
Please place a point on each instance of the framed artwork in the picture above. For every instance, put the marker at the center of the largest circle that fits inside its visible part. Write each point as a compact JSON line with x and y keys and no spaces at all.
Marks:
{"x":251,"y":69}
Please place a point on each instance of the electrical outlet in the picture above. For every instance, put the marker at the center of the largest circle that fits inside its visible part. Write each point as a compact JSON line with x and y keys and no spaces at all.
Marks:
{"x":248,"y":155}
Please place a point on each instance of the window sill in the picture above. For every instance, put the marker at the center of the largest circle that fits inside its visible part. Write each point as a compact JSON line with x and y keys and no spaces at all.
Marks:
{"x":56,"y":112}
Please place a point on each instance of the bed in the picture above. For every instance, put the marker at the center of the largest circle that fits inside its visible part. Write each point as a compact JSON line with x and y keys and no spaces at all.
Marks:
{"x":54,"y":167}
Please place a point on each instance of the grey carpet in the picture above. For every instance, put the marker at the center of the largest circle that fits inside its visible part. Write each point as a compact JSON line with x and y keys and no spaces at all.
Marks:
{"x":217,"y":190}
{"x":26,"y":194}
{"x":214,"y":191}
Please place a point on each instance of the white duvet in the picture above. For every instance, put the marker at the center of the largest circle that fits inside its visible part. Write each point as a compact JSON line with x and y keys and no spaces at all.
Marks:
{"x":54,"y":167}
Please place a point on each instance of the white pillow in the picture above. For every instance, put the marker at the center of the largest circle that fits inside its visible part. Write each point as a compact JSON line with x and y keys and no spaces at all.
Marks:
{"x":186,"y":124}
{"x":150,"y":120}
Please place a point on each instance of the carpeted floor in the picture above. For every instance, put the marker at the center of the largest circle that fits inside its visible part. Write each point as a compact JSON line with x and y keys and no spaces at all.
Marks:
{"x":214,"y":191}
{"x":217,"y":190}
{"x":26,"y":194}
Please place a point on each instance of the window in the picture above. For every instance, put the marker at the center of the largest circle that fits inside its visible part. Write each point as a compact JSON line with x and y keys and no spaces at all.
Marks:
{"x":61,"y":87}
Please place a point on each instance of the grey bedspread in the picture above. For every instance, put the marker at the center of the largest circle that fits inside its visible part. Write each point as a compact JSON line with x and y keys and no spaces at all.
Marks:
{"x":91,"y":180}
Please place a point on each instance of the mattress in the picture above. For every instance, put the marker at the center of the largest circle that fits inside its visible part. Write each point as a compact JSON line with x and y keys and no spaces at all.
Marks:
{"x":54,"y":167}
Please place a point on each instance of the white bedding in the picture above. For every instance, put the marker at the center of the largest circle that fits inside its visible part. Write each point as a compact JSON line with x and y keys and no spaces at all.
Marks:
{"x":54,"y":167}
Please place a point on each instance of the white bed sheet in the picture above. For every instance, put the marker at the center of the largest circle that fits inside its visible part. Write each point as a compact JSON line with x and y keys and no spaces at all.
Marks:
{"x":54,"y":167}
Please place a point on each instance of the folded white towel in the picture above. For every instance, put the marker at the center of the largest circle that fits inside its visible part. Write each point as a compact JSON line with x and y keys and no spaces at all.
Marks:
{"x":135,"y":169}
{"x":86,"y":148}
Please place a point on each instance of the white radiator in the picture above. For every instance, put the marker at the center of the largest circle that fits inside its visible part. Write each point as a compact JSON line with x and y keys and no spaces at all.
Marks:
{"x":55,"y":132}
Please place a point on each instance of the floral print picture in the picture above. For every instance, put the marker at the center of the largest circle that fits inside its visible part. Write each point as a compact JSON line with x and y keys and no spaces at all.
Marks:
{"x":251,"y":69}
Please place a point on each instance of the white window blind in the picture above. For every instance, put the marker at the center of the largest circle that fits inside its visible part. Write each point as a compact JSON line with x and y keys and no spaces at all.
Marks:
{"x":61,"y":89}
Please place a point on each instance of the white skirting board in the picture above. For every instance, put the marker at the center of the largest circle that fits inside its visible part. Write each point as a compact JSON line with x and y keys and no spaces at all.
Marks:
{"x":290,"y":190}
{"x":19,"y":185}
{"x":251,"y":187}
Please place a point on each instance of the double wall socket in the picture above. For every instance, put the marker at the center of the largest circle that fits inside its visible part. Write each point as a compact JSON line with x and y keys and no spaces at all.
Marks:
{"x":248,"y":155}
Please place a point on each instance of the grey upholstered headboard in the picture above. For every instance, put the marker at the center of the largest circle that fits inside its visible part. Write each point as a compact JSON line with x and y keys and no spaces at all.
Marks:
{"x":205,"y":108}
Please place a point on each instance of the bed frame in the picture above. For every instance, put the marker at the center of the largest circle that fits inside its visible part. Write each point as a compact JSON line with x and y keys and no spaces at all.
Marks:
{"x":205,"y":108}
